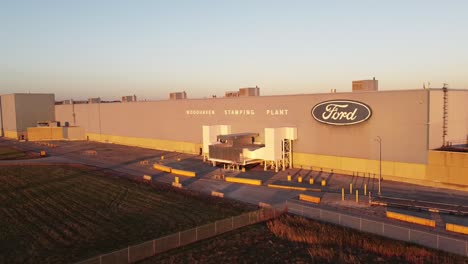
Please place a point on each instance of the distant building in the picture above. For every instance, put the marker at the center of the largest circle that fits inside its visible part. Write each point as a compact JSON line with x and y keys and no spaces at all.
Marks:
{"x":232,"y":94}
{"x":366,"y":85}
{"x":94,"y":100}
{"x":248,"y":91}
{"x":178,"y":95}
{"x":129,"y":98}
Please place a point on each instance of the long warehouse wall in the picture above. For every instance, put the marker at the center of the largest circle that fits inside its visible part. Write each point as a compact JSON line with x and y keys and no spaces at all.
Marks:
{"x":398,"y":117}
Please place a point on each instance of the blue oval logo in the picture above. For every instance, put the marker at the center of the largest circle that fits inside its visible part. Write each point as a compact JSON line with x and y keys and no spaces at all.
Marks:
{"x":341,"y":112}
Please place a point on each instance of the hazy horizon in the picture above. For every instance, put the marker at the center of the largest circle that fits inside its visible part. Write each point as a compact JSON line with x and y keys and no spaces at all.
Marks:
{"x":110,"y":49}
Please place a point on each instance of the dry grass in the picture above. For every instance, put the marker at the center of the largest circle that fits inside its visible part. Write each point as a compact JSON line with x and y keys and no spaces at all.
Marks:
{"x":291,"y":239}
{"x":63,"y":214}
{"x":331,"y":243}
{"x":10,"y":153}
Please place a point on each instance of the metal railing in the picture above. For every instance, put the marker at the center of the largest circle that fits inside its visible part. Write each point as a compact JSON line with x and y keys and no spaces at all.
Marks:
{"x":426,"y":239}
{"x":153,"y":247}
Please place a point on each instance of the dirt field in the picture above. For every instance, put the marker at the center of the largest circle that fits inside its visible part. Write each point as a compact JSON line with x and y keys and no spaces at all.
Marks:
{"x":8,"y":153}
{"x":63,"y":214}
{"x":292,"y":239}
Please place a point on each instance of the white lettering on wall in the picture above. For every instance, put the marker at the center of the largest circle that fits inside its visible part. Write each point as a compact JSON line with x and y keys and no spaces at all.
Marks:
{"x":199,"y":112}
{"x":239,"y":112}
{"x":332,"y":111}
{"x":275,"y":112}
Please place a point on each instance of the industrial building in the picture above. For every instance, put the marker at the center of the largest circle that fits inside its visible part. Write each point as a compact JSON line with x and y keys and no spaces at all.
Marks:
{"x":354,"y":133}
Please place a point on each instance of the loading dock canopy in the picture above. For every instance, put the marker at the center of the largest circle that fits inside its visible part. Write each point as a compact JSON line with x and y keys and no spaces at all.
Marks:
{"x":238,"y":140}
{"x":237,"y":136}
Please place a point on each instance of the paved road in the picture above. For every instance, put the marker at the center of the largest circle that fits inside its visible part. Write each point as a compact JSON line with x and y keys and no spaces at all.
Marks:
{"x":126,"y":160}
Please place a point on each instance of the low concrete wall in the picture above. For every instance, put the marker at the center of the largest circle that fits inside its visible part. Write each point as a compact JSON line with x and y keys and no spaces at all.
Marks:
{"x":55,"y":133}
{"x":411,"y":219}
{"x":444,"y":169}
{"x":11,"y":134}
{"x":243,"y":180}
{"x":163,"y":168}
{"x":309,"y":198}
{"x":456,"y":228}
{"x":448,"y":167}
{"x":183,"y":172}
{"x":168,"y":145}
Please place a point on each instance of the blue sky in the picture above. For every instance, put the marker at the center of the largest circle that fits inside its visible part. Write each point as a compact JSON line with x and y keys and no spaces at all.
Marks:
{"x":81,"y":49}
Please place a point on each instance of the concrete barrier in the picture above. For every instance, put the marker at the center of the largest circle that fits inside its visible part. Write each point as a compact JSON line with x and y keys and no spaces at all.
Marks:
{"x":217,"y":194}
{"x":178,"y":185}
{"x":411,"y":219}
{"x":309,"y":198}
{"x":243,"y":180}
{"x":183,"y":172}
{"x":160,"y":167}
{"x":264,"y":205}
{"x":456,"y":228}
{"x":293,"y":188}
{"x":147,"y":177}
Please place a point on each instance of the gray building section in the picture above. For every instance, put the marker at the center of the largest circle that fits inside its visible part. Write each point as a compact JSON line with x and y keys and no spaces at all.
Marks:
{"x":408,"y":122}
{"x":20,"y":111}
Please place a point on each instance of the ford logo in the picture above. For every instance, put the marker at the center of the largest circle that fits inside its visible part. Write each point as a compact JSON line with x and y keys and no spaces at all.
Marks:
{"x":341,"y":112}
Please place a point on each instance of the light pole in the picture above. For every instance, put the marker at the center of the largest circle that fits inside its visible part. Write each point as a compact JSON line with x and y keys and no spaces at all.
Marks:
{"x":379,"y":139}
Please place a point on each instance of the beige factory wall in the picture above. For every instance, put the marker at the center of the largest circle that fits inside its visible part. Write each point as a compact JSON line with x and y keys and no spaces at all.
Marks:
{"x":458,"y":116}
{"x":457,"y":128}
{"x":74,"y":133}
{"x":399,"y":118}
{"x":9,"y":116}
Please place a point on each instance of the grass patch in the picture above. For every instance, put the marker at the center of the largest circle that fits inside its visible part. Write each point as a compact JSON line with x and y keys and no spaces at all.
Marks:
{"x":8,"y":153}
{"x":63,"y":214}
{"x":293,"y":239}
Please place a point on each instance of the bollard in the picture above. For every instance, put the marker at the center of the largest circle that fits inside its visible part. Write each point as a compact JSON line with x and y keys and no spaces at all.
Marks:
{"x":176,"y":179}
{"x":299,"y":179}
{"x":357,"y":196}
{"x":324,"y":183}
{"x":351,"y":188}
{"x":243,"y":169}
{"x":311,"y":181}
{"x":178,"y":159}
{"x":342,"y":194}
{"x":365,"y":189}
{"x":43,"y":153}
{"x":162,"y":157}
{"x":289,"y":177}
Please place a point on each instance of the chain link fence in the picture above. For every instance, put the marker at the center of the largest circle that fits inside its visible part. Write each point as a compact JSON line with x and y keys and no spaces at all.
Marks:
{"x":150,"y":248}
{"x":426,"y":239}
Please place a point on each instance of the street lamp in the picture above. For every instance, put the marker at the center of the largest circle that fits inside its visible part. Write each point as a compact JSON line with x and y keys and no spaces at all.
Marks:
{"x":378,"y":139}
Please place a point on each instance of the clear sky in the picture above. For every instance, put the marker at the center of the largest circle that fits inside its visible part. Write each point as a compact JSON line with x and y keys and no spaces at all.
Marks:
{"x":81,"y":49}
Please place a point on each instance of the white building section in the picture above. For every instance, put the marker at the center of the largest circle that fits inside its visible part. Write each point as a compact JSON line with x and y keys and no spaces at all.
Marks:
{"x":210,"y":134}
{"x":241,"y":149}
